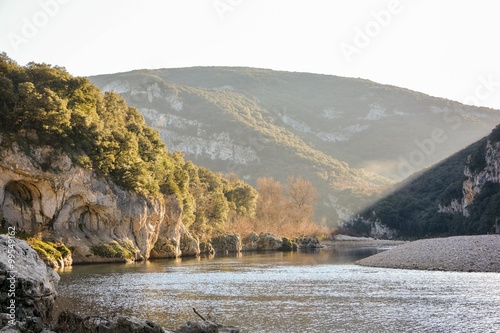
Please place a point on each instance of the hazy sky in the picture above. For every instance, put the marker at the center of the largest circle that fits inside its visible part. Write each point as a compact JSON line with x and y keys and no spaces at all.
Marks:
{"x":445,"y":48}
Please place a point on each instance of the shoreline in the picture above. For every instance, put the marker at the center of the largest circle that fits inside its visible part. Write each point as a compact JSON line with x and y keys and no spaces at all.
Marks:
{"x":457,"y":253}
{"x":347,"y":241}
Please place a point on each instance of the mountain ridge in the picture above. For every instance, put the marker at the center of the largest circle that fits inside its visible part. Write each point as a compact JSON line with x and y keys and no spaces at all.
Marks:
{"x":257,"y":122}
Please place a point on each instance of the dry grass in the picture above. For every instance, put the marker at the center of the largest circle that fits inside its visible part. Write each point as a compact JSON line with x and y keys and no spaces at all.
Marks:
{"x":243,"y":226}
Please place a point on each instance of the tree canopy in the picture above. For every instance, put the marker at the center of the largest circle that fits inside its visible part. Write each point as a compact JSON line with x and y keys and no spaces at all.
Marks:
{"x":42,"y":104}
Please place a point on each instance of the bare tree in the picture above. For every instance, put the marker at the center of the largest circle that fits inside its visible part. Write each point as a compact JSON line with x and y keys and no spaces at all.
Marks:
{"x":302,"y":193}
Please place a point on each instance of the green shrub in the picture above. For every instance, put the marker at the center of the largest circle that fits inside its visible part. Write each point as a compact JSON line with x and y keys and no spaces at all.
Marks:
{"x":51,"y":253}
{"x":114,"y":250}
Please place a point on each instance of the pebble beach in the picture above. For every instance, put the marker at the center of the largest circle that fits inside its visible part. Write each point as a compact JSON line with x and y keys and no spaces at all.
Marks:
{"x":459,"y":253}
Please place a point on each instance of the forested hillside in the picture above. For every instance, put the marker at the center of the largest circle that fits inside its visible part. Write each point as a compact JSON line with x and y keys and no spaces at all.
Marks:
{"x":352,"y":138}
{"x":43,"y":105}
{"x":458,"y":196}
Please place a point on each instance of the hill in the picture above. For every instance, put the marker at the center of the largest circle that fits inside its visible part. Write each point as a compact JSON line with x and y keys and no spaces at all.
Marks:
{"x":352,"y":138}
{"x":81,"y":168}
{"x":459,"y":196}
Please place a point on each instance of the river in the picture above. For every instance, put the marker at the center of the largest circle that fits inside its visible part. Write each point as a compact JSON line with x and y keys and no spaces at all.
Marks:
{"x":288,"y":292}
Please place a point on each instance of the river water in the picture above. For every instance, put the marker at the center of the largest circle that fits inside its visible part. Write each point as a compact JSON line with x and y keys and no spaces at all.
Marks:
{"x":288,"y":292}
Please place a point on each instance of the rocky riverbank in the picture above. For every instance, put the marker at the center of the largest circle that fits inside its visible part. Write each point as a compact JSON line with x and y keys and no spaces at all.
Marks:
{"x":28,"y":289}
{"x":460,"y":253}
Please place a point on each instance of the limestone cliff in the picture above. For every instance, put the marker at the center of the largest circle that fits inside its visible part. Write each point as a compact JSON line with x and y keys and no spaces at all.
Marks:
{"x":475,"y":180}
{"x":42,"y":192}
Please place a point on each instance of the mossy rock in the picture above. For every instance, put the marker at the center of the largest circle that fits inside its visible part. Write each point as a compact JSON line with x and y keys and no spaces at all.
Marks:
{"x":288,"y":245}
{"x":114,"y":250}
{"x":53,"y":254}
{"x":165,"y":248}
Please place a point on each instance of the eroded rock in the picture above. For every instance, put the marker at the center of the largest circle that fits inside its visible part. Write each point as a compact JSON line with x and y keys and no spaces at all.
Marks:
{"x":227,"y":244}
{"x":206,"y":327}
{"x":96,"y":219}
{"x":269,"y":242}
{"x":71,"y":323}
{"x":249,"y":243}
{"x":308,"y":243}
{"x":27,"y":285}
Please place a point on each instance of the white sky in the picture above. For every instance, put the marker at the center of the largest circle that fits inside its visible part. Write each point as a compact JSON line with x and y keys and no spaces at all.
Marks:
{"x":445,"y":48}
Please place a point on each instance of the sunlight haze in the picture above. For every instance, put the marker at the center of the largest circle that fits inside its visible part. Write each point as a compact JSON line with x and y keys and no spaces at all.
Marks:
{"x":445,"y":49}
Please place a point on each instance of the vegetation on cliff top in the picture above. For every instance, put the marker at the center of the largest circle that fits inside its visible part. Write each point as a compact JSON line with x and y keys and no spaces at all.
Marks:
{"x":42,"y":104}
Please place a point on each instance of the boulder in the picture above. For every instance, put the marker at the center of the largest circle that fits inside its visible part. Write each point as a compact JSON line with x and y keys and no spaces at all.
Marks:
{"x":269,"y":242}
{"x":27,"y":285}
{"x":29,"y":324}
{"x":71,"y":323}
{"x":189,"y":245}
{"x":165,"y":248}
{"x":206,"y":327}
{"x":288,"y":245}
{"x":308,"y":243}
{"x":207,"y":248}
{"x":227,"y":244}
{"x":250,"y":242}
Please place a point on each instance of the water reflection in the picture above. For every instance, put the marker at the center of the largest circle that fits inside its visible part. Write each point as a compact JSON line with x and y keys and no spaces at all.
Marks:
{"x":289,"y":292}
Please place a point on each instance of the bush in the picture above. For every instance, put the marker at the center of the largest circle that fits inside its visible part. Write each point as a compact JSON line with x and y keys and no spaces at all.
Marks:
{"x":114,"y":250}
{"x":52,"y":254}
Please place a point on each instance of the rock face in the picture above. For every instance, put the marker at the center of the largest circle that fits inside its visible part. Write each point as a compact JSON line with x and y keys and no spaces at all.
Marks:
{"x":475,"y":181}
{"x":27,"y":285}
{"x":269,"y":242}
{"x":227,"y":244}
{"x":250,"y":242}
{"x":46,"y":192}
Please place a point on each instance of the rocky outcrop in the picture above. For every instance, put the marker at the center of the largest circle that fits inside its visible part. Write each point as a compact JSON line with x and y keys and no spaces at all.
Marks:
{"x":249,"y":243}
{"x":475,"y":181}
{"x":206,"y":327}
{"x":27,"y":285}
{"x":270,"y":242}
{"x":174,"y":239}
{"x":288,"y":245}
{"x":264,"y":242}
{"x":43,"y":192}
{"x":227,"y":244}
{"x":207,"y":248}
{"x":71,"y":323}
{"x":308,"y":243}
{"x":28,"y":292}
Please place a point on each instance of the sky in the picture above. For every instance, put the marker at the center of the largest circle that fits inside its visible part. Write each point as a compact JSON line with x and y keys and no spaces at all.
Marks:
{"x":444,"y":48}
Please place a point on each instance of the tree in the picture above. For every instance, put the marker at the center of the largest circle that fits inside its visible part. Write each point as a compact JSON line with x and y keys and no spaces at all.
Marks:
{"x":302,"y":193}
{"x":272,"y":205}
{"x":241,"y":196}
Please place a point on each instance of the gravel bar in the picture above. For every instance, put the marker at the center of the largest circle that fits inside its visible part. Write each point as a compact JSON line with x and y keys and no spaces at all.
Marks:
{"x":460,"y":253}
